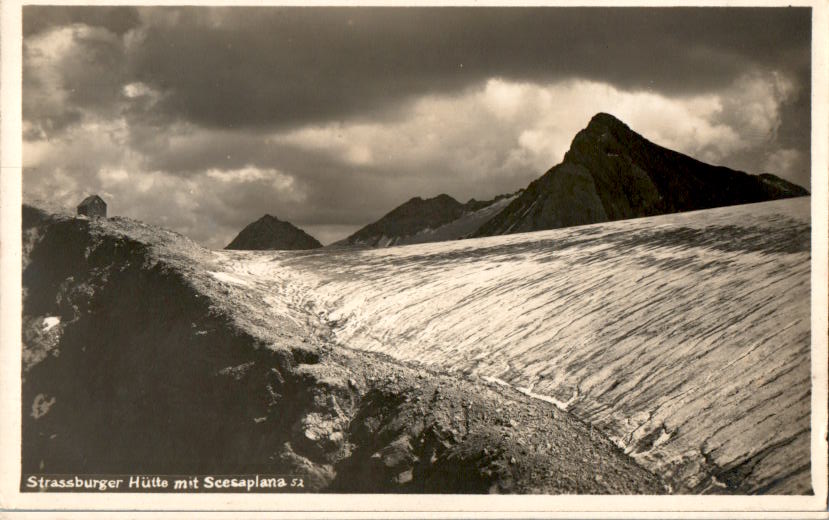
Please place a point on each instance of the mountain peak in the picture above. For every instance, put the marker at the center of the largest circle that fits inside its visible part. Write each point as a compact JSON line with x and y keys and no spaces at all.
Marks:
{"x":418,"y":220}
{"x":271,"y":233}
{"x":437,"y":199}
{"x":604,"y":133}
{"x":605,"y":120}
{"x":611,"y":173}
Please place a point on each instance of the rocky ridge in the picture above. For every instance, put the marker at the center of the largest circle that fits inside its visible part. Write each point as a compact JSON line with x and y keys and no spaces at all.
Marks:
{"x":427,"y":220}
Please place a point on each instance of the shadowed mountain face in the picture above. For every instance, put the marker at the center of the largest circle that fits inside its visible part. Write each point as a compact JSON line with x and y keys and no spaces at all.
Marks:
{"x":271,"y":233}
{"x":427,"y":220}
{"x":613,"y":173}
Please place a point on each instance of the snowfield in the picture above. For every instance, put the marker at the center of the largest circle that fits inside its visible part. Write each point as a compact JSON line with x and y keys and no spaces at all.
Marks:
{"x":685,"y":337}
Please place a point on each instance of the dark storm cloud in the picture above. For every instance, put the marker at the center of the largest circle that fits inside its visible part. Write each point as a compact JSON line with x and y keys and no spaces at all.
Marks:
{"x":283,"y":66}
{"x":795,"y":127}
{"x":38,"y":18}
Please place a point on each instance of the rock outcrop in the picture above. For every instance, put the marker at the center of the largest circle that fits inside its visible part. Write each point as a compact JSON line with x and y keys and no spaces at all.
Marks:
{"x":271,"y":233}
{"x":611,"y":173}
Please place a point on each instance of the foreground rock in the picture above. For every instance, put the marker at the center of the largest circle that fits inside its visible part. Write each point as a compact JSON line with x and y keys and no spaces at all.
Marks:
{"x":271,"y":233}
{"x":613,"y":173}
{"x":685,"y":338}
{"x":141,"y":355}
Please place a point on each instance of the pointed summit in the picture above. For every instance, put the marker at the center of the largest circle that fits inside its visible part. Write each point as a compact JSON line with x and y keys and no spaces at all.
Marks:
{"x":605,"y":120}
{"x":267,"y":217}
{"x":271,"y":233}
{"x":610,"y":173}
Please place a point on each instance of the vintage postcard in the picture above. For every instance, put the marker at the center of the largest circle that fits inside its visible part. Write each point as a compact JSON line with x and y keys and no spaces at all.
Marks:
{"x":414,"y":259}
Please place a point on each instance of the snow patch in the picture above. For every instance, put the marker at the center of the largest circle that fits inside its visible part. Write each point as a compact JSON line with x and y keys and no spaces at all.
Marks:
{"x":50,"y":322}
{"x":561,"y":405}
{"x":229,"y":278}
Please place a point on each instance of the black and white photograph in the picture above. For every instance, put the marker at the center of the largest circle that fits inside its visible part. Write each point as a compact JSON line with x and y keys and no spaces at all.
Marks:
{"x":395,"y":250}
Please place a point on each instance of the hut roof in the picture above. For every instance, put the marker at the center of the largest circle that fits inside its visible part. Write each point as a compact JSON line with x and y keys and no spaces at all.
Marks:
{"x":91,"y":199}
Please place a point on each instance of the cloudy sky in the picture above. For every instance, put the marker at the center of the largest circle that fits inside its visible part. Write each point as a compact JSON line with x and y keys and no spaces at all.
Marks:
{"x":204,"y":119}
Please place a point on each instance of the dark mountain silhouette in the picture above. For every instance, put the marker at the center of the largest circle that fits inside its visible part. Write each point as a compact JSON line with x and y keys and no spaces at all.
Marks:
{"x":613,"y":173}
{"x":427,"y":220}
{"x":271,"y":233}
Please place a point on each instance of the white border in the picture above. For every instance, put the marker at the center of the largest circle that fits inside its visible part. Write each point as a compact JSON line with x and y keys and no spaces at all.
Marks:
{"x":820,"y":258}
{"x":351,"y":506}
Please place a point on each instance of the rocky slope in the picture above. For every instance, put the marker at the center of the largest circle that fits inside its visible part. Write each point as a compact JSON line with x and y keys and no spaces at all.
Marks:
{"x":271,"y":233}
{"x":613,"y":173}
{"x":685,"y":337}
{"x":427,"y":220}
{"x":143,"y":354}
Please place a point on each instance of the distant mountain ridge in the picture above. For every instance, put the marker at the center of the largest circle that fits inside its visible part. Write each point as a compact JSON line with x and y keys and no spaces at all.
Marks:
{"x":611,"y":173}
{"x":427,"y":220}
{"x":271,"y":233}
